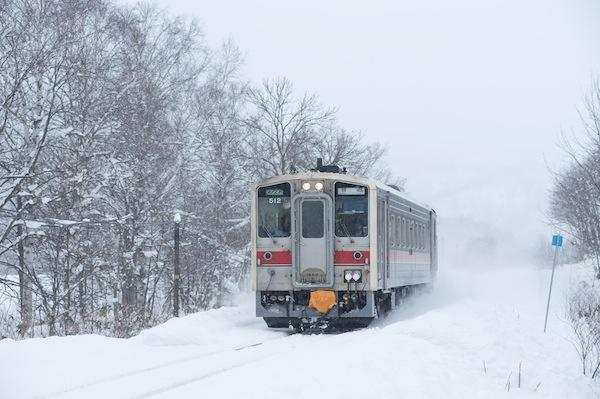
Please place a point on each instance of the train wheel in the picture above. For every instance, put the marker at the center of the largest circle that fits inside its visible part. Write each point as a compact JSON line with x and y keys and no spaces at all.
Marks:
{"x":384,"y":304}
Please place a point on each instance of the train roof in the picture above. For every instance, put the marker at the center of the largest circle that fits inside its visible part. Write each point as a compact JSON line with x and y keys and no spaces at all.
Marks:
{"x":371,"y":183}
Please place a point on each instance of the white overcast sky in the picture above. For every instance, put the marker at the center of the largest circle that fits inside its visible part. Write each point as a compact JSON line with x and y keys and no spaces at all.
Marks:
{"x":469,"y":96}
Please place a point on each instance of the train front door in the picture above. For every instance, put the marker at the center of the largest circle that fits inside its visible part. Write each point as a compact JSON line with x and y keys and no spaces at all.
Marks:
{"x":313,"y":237}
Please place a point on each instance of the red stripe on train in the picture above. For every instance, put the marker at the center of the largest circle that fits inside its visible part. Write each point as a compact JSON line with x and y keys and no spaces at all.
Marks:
{"x":350,"y":257}
{"x":283,"y":258}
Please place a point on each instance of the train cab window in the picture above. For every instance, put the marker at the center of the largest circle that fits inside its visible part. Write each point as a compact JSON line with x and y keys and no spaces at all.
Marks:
{"x":312,"y":219}
{"x":274,"y":211}
{"x":351,"y":210}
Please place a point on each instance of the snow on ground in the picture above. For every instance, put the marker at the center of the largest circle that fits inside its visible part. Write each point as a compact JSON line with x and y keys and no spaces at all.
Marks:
{"x":464,"y":340}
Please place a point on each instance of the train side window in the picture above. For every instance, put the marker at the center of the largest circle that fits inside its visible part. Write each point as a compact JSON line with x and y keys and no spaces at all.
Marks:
{"x":404,"y":234}
{"x":397,"y":232}
{"x":417,"y":235}
{"x":399,"y":227}
{"x":407,"y":226}
{"x":430,"y":236}
{"x":416,"y":228}
{"x":391,"y":232}
{"x":415,"y":243}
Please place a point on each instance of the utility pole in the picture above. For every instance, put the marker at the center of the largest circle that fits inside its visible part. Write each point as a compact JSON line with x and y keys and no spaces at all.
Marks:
{"x":176,"y":273}
{"x":557,"y":241}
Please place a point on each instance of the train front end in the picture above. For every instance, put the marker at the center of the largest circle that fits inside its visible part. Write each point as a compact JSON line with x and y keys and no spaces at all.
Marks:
{"x":313,"y":266}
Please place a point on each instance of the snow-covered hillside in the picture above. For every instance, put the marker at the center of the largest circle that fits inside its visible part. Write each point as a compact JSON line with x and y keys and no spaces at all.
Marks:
{"x":464,"y":340}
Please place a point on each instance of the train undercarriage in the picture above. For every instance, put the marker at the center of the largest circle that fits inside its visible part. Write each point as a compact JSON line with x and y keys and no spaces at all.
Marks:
{"x":351,"y":309}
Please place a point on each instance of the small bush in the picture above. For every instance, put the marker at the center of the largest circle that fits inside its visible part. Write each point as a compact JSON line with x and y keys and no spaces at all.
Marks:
{"x":583,"y":312}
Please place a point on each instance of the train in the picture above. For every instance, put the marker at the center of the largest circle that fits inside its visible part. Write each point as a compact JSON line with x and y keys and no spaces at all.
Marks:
{"x":335,"y":251}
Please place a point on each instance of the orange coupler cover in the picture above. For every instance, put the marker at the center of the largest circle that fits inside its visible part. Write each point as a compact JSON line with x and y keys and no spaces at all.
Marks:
{"x":322,"y":301}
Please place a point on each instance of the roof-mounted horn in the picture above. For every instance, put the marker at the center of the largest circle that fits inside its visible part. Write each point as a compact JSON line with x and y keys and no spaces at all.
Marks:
{"x":327,"y":168}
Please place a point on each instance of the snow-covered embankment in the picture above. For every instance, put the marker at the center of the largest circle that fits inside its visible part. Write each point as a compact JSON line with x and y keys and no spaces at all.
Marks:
{"x":464,"y":340}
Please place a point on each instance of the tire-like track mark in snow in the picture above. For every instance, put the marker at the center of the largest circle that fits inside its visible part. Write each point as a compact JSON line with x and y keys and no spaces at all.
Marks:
{"x":134,"y":373}
{"x":187,"y":381}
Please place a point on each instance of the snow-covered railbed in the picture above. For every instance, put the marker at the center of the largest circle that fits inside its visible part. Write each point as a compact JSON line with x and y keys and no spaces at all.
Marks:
{"x":464,"y":340}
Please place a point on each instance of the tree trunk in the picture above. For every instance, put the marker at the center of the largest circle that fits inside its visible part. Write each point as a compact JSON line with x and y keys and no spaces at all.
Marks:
{"x":25,"y":294}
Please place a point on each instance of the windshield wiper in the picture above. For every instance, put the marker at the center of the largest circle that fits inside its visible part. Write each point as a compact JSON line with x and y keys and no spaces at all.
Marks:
{"x":268,"y":233}
{"x":346,"y":231}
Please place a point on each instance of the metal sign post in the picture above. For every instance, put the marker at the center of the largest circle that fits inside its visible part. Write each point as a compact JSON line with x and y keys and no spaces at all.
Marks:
{"x":176,"y":272}
{"x":557,"y":241}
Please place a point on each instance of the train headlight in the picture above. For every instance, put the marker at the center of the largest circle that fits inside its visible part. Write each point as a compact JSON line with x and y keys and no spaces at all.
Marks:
{"x":306,"y":186}
{"x":356,"y":275}
{"x":348,"y":276}
{"x":319,"y":186}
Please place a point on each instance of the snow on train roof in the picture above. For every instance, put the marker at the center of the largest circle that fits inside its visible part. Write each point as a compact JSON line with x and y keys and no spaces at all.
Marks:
{"x":402,"y":194}
{"x":338,"y":176}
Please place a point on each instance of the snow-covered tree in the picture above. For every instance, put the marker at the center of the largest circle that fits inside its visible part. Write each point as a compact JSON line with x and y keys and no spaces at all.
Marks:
{"x":113,"y":118}
{"x":575,"y":198}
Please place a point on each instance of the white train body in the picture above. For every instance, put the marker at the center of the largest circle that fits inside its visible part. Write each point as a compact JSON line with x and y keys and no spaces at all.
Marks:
{"x":334,"y":249}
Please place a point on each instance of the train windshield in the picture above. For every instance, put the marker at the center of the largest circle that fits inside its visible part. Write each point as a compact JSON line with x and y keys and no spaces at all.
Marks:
{"x":351,"y":210}
{"x":274,"y":207}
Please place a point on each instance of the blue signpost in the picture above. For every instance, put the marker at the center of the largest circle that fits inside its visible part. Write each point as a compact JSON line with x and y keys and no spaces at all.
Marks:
{"x":557,"y":242}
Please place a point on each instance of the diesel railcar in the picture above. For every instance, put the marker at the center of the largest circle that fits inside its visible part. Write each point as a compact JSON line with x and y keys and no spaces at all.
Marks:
{"x":334,"y":250}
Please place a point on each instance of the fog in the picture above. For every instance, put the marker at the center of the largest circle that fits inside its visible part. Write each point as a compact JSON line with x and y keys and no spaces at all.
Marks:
{"x":469,"y":97}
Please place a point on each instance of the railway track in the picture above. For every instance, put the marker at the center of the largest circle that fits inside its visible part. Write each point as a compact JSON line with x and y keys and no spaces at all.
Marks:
{"x":128,"y":379}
